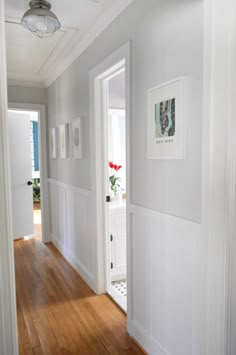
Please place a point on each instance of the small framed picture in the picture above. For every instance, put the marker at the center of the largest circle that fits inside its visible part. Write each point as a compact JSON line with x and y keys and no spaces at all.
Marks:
{"x":76,"y":147}
{"x":63,"y":140}
{"x":53,"y":143}
{"x":166,"y":121}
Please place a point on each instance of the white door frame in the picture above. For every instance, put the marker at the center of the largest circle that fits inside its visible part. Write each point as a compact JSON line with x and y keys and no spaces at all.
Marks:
{"x":43,"y":161}
{"x":102,"y":94}
{"x":219,"y":168}
{"x":97,"y":76}
{"x":8,"y":321}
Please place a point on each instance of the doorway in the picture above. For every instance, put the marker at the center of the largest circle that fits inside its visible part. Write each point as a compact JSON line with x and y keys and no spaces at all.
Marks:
{"x":23,"y":128}
{"x":115,"y":158}
{"x":34,"y":140}
{"x":110,"y":162}
{"x":27,"y":138}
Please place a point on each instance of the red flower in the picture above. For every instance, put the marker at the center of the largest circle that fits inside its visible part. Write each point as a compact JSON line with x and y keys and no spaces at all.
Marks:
{"x":114,"y":166}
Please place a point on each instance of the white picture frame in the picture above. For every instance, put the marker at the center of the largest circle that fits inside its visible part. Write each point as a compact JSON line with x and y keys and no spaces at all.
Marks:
{"x":63,"y":140}
{"x":53,"y":143}
{"x":166,"y":121}
{"x":76,"y":144}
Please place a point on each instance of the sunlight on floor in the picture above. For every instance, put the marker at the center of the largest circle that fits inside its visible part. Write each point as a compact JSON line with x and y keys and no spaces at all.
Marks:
{"x":37,"y":216}
{"x":37,"y":224}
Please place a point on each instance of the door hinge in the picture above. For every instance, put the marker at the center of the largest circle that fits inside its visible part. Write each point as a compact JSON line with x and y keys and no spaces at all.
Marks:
{"x":111,"y":265}
{"x":108,"y":198}
{"x":111,"y":237}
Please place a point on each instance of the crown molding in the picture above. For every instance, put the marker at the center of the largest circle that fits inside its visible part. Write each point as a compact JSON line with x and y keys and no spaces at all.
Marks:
{"x":24,"y":80}
{"x":82,"y":41}
{"x":26,"y":83}
{"x":68,"y":36}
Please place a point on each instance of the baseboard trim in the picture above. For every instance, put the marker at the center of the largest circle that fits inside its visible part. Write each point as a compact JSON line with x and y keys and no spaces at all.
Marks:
{"x":138,"y":345}
{"x":136,"y":331}
{"x":81,"y":269}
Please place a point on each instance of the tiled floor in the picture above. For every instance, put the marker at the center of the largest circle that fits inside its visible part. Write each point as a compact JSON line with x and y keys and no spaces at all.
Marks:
{"x":118,"y":292}
{"x":120,"y":286}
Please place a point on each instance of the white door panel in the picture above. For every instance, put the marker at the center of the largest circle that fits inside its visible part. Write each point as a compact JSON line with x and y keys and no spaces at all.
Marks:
{"x":21,"y":173}
{"x":118,"y":243}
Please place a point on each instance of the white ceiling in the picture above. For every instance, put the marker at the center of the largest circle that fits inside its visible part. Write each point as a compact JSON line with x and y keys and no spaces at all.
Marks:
{"x":38,"y":62}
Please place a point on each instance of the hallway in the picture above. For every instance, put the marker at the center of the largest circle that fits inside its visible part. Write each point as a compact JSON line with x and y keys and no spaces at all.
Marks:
{"x":58,"y":313}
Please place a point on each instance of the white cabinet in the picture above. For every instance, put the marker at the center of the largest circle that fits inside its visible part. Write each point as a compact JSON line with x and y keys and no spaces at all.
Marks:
{"x":117,"y":228}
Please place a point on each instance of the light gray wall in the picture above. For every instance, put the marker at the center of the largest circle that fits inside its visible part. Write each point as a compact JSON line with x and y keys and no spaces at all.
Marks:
{"x":168,"y":289}
{"x":166,"y":43}
{"x":27,"y":95}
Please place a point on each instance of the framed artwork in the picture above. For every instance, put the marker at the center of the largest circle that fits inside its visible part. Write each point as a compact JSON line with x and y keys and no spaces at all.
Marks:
{"x":53,"y":143}
{"x":76,"y":149}
{"x":63,"y":140}
{"x":166,"y":121}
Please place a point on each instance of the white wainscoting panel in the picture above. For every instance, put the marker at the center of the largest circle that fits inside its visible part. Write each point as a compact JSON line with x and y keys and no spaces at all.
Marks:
{"x":167,"y":289}
{"x":167,"y":265}
{"x":71,"y":227}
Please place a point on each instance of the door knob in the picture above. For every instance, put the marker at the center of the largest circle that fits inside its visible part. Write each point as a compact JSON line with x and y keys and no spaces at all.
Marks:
{"x":29,"y":183}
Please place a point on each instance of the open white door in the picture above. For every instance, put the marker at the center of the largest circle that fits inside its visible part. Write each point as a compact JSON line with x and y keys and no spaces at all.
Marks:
{"x":21,"y":173}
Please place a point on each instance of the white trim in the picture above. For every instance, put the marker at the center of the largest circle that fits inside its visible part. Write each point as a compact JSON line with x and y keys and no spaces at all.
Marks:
{"x":145,"y":340}
{"x":83,"y":272}
{"x":43,"y":162}
{"x":8,"y":323}
{"x":69,"y":33}
{"x":103,"y":95}
{"x":231,"y":193}
{"x":31,"y":83}
{"x":65,"y":186}
{"x":81,"y":44}
{"x":96,"y":79}
{"x":147,"y":212}
{"x":21,"y":79}
{"x":218,"y":166}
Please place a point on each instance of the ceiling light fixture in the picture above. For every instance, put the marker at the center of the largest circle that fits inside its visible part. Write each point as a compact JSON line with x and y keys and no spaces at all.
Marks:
{"x":40,"y":20}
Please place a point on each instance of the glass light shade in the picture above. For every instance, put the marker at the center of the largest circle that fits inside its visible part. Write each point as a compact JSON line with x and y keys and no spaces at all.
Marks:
{"x":41,"y":21}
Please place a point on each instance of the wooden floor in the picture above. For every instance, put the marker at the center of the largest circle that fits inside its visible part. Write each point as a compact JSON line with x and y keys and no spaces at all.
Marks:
{"x":58,"y":313}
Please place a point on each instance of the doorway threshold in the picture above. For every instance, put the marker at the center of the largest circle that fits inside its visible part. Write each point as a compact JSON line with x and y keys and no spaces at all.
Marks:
{"x":118,"y":293}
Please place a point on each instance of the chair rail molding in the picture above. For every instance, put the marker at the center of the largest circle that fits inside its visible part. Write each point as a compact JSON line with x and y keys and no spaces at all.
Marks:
{"x":8,"y":324}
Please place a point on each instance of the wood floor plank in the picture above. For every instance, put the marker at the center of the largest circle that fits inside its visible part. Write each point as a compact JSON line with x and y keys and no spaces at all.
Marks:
{"x":38,"y":351}
{"x":27,"y":318}
{"x":57,"y":311}
{"x":25,"y":347}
